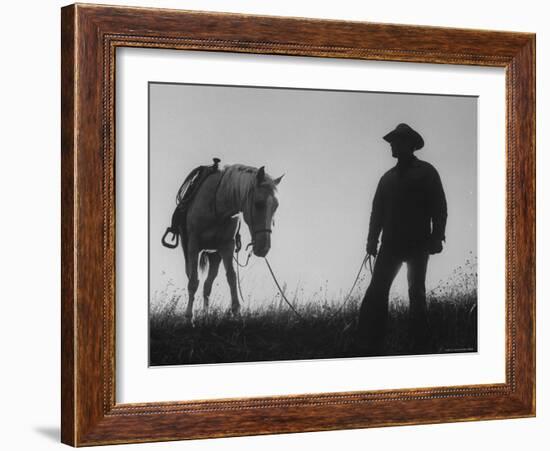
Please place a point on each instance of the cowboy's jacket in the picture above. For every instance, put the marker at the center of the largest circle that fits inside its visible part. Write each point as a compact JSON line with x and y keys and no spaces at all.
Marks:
{"x":409,"y":208}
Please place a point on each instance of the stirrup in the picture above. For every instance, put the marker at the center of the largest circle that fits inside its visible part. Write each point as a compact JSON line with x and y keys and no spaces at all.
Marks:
{"x":175,"y":239}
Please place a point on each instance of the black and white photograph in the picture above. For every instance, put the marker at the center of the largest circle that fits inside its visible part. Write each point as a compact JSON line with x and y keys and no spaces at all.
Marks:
{"x":243,"y":225}
{"x":292,"y":224}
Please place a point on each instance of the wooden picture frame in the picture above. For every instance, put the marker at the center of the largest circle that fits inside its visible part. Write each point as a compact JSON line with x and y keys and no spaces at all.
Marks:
{"x":90,"y":35}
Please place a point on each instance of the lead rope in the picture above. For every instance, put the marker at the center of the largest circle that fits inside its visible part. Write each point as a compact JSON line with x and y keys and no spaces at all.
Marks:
{"x":281,"y":290}
{"x":367,"y":258}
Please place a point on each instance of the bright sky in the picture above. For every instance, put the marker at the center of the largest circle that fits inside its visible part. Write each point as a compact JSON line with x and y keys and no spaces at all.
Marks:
{"x":329,"y":146}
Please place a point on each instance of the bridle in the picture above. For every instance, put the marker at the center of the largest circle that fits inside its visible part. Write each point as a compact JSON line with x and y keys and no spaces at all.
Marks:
{"x":254,"y":232}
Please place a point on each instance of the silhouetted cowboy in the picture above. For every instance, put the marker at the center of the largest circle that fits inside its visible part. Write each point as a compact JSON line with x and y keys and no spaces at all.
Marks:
{"x":410,"y":210}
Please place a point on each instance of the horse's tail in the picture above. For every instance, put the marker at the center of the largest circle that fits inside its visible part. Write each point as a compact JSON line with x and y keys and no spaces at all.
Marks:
{"x":203,"y":261}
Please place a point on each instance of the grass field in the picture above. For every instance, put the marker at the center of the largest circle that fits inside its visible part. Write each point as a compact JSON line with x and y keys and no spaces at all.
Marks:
{"x":325,"y":330}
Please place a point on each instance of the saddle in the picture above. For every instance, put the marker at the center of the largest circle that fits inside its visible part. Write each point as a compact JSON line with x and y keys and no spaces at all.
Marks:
{"x":184,"y":197}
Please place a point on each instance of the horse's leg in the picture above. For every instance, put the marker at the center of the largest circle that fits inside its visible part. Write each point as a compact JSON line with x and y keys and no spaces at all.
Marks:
{"x":214,"y":260}
{"x":227,"y":257}
{"x":191,"y":268}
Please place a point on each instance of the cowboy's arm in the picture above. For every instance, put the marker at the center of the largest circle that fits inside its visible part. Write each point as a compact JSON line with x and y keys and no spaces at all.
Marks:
{"x":438,"y":208}
{"x":375,"y":223}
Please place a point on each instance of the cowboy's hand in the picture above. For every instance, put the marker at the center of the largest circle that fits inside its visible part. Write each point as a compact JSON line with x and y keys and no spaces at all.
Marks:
{"x":435,"y":246}
{"x":372,"y":248}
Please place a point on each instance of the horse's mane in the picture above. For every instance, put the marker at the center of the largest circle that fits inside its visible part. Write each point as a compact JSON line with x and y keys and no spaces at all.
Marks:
{"x":239,"y":180}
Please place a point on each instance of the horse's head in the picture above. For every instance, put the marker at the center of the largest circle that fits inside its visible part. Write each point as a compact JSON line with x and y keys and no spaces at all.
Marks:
{"x":259,"y":215}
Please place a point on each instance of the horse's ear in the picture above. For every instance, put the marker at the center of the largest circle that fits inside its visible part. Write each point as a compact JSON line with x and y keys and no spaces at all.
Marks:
{"x":278,"y":180}
{"x":260,"y":176}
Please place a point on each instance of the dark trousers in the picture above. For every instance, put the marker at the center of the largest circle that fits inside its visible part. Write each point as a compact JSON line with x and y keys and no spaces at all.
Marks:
{"x":373,"y":315}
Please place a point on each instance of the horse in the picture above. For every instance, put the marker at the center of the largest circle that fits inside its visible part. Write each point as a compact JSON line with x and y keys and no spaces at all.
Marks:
{"x":208,"y":235}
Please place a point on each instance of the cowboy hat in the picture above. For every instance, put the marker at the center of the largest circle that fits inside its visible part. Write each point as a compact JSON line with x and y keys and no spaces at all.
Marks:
{"x":406,"y":132}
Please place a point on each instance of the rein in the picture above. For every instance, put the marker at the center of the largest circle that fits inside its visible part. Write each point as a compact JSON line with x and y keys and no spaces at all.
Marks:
{"x":367,"y":259}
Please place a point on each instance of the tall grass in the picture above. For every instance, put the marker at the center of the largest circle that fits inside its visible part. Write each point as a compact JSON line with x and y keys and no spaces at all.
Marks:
{"x":324,"y":329}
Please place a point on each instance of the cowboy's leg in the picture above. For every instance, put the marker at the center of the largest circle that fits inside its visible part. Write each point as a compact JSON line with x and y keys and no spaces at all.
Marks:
{"x":214,"y":261}
{"x":418,"y":313}
{"x":373,"y":315}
